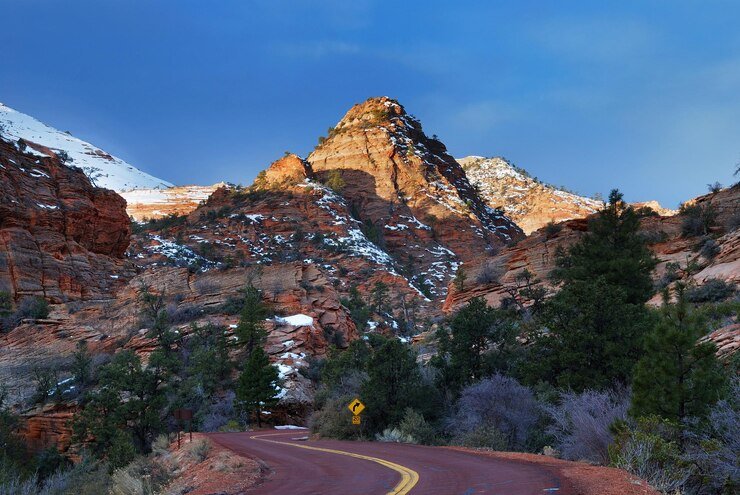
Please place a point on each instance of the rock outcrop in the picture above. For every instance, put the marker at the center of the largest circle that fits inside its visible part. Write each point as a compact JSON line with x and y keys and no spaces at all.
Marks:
{"x":144,"y":204}
{"x":60,"y":237}
{"x":674,"y":251}
{"x":408,"y":189}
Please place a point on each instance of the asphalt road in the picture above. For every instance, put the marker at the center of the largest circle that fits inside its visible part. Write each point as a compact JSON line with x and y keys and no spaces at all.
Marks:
{"x":328,"y":467}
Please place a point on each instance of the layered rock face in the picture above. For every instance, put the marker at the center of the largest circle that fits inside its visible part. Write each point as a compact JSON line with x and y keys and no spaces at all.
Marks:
{"x":408,"y":188}
{"x":537,"y":252}
{"x":60,"y":237}
{"x":143,"y":204}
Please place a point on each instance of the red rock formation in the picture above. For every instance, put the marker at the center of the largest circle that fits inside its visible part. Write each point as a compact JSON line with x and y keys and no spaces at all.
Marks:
{"x":60,"y":237}
{"x":144,"y":204}
{"x":407,"y":188}
{"x":537,"y":252}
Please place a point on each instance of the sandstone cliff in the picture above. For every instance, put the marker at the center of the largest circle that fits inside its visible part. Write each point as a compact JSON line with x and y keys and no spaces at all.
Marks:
{"x":60,"y":237}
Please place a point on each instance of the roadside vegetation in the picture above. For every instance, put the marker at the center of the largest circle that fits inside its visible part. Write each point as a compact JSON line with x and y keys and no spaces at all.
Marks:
{"x":589,"y":373}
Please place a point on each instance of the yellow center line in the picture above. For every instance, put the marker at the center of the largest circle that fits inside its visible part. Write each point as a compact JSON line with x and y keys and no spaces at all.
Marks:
{"x":409,"y":477}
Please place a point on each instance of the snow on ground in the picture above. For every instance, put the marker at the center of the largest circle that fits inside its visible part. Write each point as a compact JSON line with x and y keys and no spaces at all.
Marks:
{"x":105,"y":170}
{"x":290,"y":427}
{"x":299,"y":320}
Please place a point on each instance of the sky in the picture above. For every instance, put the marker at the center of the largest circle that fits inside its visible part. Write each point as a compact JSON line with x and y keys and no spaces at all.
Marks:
{"x":639,"y":95}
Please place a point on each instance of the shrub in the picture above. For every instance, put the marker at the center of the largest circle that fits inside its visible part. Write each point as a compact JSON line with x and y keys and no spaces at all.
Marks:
{"x":334,"y":181}
{"x":713,"y":290}
{"x":581,"y":423}
{"x":552,"y":229}
{"x":697,"y":219}
{"x":334,"y":420}
{"x":710,"y":249}
{"x":671,"y":275}
{"x":161,"y":445}
{"x":199,"y":450}
{"x":484,"y":436}
{"x":490,"y":273}
{"x":394,"y":435}
{"x":714,"y":448}
{"x":733,"y":222}
{"x":650,"y":450}
{"x":498,"y":403}
{"x":414,"y":426}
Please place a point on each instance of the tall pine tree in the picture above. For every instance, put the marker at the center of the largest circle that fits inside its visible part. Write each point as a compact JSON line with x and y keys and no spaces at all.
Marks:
{"x":256,"y":388}
{"x":251,"y":328}
{"x":677,"y":377}
{"x":591,"y":330}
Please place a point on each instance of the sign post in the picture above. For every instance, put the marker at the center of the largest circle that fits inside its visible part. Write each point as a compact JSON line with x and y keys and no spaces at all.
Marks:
{"x":356,"y":407}
{"x":183,"y":415}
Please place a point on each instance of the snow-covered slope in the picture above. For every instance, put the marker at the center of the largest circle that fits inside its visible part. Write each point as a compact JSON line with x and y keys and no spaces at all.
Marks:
{"x":104,"y":170}
{"x":530,"y":203}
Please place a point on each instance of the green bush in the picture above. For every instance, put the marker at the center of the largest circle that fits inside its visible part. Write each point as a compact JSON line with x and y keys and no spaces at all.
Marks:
{"x":199,"y":450}
{"x":414,"y":426}
{"x":485,"y":437}
{"x":713,"y":290}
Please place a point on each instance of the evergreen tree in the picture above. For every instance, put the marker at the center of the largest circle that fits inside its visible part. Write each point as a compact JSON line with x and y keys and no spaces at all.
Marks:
{"x":677,"y":377}
{"x":130,"y":397}
{"x":479,"y":342}
{"x":379,"y":296}
{"x":358,"y":309}
{"x":591,"y":330}
{"x":81,"y":364}
{"x":394,"y":384}
{"x":256,"y":387}
{"x":251,"y":329}
{"x":460,"y":277}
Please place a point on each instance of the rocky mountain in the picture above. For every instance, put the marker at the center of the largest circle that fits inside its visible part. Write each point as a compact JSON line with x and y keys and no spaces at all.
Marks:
{"x":406,"y":187}
{"x":681,"y":256}
{"x":142,"y":204}
{"x":529,"y":202}
{"x":60,"y":237}
{"x":103,"y":169}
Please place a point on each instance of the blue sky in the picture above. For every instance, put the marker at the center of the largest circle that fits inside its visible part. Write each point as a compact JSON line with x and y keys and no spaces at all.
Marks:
{"x":640,"y":95}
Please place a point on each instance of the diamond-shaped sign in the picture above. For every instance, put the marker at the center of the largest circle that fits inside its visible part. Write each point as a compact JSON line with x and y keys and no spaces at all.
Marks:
{"x":356,"y":407}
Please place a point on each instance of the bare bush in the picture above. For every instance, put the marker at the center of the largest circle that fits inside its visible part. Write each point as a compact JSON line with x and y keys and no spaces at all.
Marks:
{"x":490,"y":273}
{"x":218,"y":413}
{"x":581,"y":423}
{"x":638,"y":456}
{"x":498,"y":402}
{"x":394,"y":435}
{"x":714,"y":449}
{"x":199,"y":450}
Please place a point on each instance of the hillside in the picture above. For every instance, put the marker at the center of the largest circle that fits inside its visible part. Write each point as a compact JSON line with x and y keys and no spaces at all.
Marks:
{"x":103,"y":169}
{"x":530,"y":203}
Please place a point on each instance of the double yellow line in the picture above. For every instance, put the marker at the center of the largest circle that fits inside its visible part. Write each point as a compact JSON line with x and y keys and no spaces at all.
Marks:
{"x":409,"y":477}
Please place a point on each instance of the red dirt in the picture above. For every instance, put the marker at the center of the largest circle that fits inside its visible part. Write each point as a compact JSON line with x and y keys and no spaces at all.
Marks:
{"x":585,"y":479}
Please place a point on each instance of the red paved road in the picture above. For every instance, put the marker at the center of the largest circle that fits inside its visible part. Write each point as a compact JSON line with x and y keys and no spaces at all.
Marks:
{"x":299,"y":471}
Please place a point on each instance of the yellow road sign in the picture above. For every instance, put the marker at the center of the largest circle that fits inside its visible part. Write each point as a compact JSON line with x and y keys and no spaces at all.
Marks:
{"x":355,"y":420}
{"x":356,"y":407}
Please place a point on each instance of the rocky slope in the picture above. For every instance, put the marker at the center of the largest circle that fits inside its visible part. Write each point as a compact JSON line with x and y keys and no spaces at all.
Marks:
{"x":407,"y":187}
{"x":530,"y":203}
{"x":102,"y":168}
{"x":144,"y":204}
{"x":60,"y":237}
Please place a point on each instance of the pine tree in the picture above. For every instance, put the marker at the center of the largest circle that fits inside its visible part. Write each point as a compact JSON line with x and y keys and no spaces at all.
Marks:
{"x":460,"y":277}
{"x":591,"y":330}
{"x":393,"y":385}
{"x":677,"y":377}
{"x":251,"y":329}
{"x":473,"y":346}
{"x":256,"y":387}
{"x":379,"y":296}
{"x":81,"y":364}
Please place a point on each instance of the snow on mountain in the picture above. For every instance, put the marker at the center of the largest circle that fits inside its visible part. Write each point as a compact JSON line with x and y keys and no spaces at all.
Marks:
{"x":529,"y":202}
{"x":103,"y":169}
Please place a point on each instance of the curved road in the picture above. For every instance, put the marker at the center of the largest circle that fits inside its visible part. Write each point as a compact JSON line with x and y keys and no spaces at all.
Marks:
{"x":328,"y":467}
